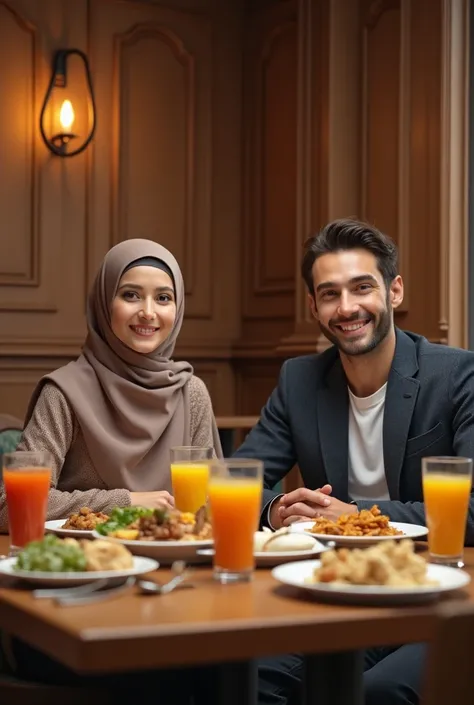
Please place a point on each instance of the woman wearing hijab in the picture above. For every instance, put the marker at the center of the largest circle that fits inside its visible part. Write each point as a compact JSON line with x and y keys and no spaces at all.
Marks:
{"x":110,"y":418}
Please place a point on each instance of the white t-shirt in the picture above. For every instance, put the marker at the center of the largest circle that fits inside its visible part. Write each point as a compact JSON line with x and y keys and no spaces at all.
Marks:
{"x":366,"y":464}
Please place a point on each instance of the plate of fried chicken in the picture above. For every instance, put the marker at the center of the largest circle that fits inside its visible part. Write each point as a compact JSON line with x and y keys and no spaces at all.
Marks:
{"x":79,"y":525}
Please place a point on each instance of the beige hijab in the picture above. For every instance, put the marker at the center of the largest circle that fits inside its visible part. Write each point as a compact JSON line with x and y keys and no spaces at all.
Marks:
{"x":131,"y":408}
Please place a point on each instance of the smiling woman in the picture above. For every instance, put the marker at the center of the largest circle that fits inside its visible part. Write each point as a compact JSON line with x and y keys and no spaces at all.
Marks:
{"x":144,"y":307}
{"x":110,"y":418}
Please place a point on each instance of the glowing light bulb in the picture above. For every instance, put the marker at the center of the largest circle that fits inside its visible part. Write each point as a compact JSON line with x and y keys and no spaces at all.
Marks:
{"x":66,"y":115}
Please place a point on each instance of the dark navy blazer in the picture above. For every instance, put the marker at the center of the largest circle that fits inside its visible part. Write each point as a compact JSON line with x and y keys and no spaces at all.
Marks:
{"x":429,"y":410}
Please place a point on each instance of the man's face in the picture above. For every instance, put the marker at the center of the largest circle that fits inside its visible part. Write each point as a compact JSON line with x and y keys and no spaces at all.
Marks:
{"x":351,"y":303}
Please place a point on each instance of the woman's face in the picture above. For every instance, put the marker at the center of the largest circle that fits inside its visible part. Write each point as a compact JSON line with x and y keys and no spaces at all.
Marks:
{"x":143,"y":309}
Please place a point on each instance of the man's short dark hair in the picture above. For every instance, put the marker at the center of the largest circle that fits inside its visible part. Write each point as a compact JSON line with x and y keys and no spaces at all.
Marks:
{"x":349,"y":234}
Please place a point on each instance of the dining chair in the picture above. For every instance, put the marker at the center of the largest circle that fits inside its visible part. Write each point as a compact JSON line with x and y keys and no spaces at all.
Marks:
{"x":449,"y":666}
{"x":10,"y":433}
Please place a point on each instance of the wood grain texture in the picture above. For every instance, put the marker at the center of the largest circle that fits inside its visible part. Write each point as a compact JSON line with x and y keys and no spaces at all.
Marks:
{"x":229,"y":132}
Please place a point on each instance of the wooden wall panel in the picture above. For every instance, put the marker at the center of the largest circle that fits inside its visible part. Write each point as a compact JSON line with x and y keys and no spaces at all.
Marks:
{"x":386,"y":125}
{"x":170,"y":166}
{"x":382,"y":99}
{"x":18,"y":265}
{"x":456,"y":100}
{"x":381,"y":122}
{"x":219,"y":379}
{"x":162,"y":148}
{"x":166,"y":78}
{"x":270,"y":111}
{"x":42,"y":204}
{"x":422,"y":267}
{"x":323,"y":123}
{"x":229,"y":131}
{"x":18,"y":377}
{"x":255,"y":382}
{"x":401,"y":145}
{"x":158,"y":62}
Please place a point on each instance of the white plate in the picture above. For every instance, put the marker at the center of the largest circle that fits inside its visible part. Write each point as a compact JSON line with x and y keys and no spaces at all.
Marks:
{"x":268,"y":559}
{"x":297,"y":574}
{"x":164,"y":551}
{"x":54,"y":527}
{"x":140,"y":566}
{"x":410,"y":531}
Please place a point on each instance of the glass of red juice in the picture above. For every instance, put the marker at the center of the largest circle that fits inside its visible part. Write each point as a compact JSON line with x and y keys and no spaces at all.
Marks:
{"x":27,"y":479}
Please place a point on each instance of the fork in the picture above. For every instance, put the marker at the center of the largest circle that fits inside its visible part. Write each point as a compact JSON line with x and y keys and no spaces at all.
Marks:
{"x":86,"y":599}
{"x":47,"y":593}
{"x":181,"y":573}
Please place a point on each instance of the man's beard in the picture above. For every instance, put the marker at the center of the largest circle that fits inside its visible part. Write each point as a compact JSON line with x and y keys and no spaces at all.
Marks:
{"x":357,"y":347}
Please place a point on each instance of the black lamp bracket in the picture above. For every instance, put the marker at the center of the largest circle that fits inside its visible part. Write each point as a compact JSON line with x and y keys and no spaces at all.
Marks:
{"x":58,"y":143}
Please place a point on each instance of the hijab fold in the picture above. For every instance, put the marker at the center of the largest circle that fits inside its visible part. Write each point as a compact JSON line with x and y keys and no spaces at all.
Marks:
{"x":131,"y":408}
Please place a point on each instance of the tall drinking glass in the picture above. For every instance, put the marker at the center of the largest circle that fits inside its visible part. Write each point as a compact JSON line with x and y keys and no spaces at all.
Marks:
{"x":190,"y":476}
{"x":27,"y":479}
{"x":447,"y":483}
{"x":235,"y":496}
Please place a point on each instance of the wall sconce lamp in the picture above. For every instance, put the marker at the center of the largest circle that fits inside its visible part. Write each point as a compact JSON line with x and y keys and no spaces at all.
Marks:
{"x":60,"y":142}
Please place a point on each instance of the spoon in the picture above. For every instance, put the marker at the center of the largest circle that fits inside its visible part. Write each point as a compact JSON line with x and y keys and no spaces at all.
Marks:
{"x":148,"y":587}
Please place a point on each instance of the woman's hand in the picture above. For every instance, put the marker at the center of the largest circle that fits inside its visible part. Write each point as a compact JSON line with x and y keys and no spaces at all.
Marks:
{"x":154,"y":500}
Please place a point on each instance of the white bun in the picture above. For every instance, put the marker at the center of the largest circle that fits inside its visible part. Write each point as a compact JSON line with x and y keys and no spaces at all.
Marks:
{"x":259,"y":540}
{"x":282,"y":540}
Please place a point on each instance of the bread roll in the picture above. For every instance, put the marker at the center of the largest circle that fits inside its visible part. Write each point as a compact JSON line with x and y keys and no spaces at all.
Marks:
{"x":281,"y":541}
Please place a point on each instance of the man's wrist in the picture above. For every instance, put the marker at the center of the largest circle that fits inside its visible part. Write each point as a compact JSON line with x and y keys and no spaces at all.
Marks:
{"x":272,"y":523}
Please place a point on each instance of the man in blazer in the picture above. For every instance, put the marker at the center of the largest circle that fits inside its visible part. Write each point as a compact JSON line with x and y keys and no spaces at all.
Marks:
{"x":357,"y":420}
{"x":428,"y":410}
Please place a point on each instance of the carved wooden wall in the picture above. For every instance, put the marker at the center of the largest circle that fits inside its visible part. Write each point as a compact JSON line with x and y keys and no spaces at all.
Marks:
{"x":380,"y":134}
{"x":229,"y":131}
{"x":164,"y":164}
{"x":402,"y":147}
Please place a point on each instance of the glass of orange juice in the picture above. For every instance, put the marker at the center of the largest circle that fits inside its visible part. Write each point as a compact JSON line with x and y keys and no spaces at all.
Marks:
{"x":27,"y":479}
{"x":447,"y":483}
{"x":190,"y":476}
{"x":235,"y":496}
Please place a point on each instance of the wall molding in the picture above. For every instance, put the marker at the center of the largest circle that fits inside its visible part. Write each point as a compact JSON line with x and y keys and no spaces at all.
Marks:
{"x":31,"y":276}
{"x":454,"y":234}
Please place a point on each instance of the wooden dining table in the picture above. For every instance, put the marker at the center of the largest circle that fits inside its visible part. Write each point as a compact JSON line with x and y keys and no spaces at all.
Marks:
{"x":229,"y":625}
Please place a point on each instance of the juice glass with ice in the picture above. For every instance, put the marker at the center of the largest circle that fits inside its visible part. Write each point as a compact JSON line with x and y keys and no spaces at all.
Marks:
{"x":447,"y":483}
{"x":26,"y":479}
{"x":235,"y":496}
{"x":190,"y":476}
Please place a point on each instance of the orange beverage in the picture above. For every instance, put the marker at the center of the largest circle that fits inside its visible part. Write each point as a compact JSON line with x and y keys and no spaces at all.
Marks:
{"x":446,"y":503}
{"x":190,"y":482}
{"x":26,"y":490}
{"x":235,"y":496}
{"x":447,"y":486}
{"x":235,"y":511}
{"x":190,"y":476}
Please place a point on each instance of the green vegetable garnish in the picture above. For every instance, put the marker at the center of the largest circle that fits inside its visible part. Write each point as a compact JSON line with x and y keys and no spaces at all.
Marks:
{"x":160,"y":515}
{"x":121,"y":517}
{"x":52,"y":556}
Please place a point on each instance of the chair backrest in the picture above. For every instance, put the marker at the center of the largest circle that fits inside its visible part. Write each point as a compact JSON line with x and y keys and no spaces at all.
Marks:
{"x":9,"y":439}
{"x":10,"y":433}
{"x":449,"y":671}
